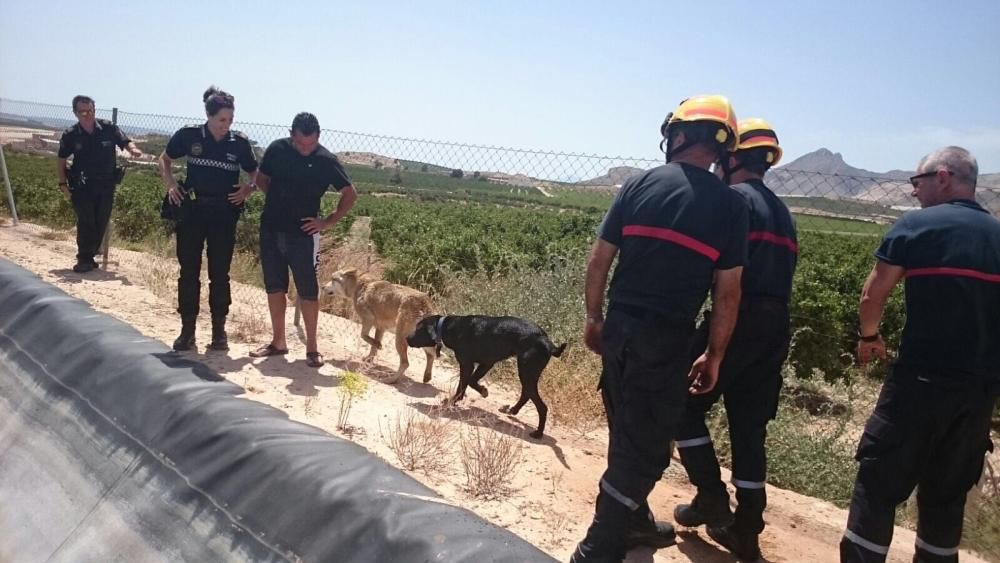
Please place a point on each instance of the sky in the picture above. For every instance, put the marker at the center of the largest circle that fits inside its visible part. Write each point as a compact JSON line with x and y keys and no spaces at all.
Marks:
{"x":882,"y":82}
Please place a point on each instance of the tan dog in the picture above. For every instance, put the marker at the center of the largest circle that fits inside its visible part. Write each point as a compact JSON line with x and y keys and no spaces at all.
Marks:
{"x":385,"y":306}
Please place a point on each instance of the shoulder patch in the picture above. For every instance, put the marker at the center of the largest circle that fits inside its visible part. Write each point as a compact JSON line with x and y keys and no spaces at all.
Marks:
{"x":69,"y":130}
{"x":105,"y":122}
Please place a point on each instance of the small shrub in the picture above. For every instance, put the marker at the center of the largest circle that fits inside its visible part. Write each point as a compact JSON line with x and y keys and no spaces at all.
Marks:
{"x":490,"y":459}
{"x":421,"y":444}
{"x":352,"y":386}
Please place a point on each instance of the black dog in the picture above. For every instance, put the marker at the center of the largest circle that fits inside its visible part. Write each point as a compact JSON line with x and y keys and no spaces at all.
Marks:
{"x":480,"y":342}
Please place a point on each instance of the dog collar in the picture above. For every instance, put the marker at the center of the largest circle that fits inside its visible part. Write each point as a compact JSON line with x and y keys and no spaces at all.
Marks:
{"x":439,"y":330}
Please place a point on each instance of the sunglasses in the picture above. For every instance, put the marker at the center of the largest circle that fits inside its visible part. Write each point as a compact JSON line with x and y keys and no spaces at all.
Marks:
{"x":914,"y":180}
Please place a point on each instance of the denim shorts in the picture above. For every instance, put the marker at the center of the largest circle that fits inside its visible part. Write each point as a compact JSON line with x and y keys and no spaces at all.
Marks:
{"x":280,"y":252}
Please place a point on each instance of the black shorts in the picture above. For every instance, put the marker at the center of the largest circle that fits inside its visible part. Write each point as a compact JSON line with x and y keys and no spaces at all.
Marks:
{"x":280,"y":252}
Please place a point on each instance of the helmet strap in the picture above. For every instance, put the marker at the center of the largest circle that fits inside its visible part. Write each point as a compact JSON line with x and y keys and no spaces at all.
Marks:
{"x":724,"y":163}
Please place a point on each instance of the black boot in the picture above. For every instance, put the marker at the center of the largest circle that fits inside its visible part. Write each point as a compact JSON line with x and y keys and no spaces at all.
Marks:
{"x":705,"y":509}
{"x":185,"y":341}
{"x":743,"y":545}
{"x":656,"y":535}
{"x":219,"y":339}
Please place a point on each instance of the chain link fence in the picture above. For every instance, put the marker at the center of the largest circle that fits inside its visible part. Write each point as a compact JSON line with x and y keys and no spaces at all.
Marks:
{"x":431,"y":211}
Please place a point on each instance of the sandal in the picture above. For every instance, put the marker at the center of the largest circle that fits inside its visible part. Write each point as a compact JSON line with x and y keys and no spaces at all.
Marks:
{"x":314,"y":359}
{"x":269,"y":350}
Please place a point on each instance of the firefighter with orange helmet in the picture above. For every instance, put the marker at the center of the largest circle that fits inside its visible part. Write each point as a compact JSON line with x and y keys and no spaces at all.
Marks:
{"x":678,"y":231}
{"x":750,"y":376}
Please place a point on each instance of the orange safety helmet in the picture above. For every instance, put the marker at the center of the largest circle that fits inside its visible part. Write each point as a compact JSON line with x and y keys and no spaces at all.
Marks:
{"x":756,"y":133}
{"x":710,"y":108}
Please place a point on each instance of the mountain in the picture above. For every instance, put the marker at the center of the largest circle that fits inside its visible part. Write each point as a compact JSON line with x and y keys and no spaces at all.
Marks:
{"x":823,"y":173}
{"x":615,"y":177}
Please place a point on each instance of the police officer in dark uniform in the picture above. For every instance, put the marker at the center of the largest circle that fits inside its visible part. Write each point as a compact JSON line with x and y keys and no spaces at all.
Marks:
{"x":210,"y":202}
{"x":90,"y":181}
{"x":931,"y":425}
{"x":750,"y":377}
{"x":675,"y":229}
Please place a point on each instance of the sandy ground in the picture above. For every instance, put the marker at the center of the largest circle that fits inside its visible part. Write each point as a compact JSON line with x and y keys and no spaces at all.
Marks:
{"x":553,"y":487}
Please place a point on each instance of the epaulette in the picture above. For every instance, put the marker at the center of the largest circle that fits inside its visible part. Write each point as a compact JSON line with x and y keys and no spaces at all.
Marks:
{"x":240,"y":134}
{"x":105,"y":122}
{"x":70,"y":129}
{"x":192,"y":126}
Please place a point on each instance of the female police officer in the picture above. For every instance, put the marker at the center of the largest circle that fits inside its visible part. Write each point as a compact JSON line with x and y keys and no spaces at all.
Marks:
{"x":210,"y":203}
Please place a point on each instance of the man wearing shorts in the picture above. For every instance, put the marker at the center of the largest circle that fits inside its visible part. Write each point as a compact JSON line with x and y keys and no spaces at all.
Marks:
{"x":295,"y":173}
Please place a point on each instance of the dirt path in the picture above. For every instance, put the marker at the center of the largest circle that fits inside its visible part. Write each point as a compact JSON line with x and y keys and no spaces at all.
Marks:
{"x":554,"y":486}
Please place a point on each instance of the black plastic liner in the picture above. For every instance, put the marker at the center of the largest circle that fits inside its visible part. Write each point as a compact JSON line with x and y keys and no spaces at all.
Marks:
{"x":112,"y":448}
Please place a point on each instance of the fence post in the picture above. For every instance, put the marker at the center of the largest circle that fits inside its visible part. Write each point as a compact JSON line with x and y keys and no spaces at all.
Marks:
{"x":10,"y":190}
{"x":106,"y":242}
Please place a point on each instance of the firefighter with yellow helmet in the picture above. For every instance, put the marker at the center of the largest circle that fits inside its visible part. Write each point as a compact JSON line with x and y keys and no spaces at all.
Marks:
{"x":750,"y":376}
{"x":678,"y":232}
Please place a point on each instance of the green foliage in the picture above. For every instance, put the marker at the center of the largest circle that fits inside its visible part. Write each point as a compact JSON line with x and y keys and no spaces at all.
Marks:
{"x":831,"y":271}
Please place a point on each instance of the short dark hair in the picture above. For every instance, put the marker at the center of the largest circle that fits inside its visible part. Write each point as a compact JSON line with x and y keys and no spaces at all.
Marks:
{"x":81,"y":99}
{"x":216,"y":99}
{"x":754,"y":160}
{"x":305,"y":123}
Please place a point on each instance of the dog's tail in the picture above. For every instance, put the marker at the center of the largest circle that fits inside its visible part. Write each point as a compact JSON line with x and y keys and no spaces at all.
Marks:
{"x":557,"y":350}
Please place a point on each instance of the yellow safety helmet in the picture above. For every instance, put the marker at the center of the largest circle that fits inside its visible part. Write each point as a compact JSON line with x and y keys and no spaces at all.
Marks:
{"x":711,"y":108}
{"x":756,"y":133}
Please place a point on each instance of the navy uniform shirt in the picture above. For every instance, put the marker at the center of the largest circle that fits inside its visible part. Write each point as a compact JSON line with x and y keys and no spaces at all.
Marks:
{"x":674,"y":226}
{"x":951,"y":254}
{"x":773,"y":244}
{"x":93,"y":153}
{"x":297,"y":185}
{"x":213,"y":167}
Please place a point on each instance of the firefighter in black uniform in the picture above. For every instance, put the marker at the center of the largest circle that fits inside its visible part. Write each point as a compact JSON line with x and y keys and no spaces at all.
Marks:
{"x":931,"y":425}
{"x":90,"y":181}
{"x":210,"y":202}
{"x":750,"y":378}
{"x":674,"y":229}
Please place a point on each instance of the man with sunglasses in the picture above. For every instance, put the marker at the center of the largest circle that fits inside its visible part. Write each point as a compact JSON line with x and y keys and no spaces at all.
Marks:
{"x":90,"y":180}
{"x":931,"y":425}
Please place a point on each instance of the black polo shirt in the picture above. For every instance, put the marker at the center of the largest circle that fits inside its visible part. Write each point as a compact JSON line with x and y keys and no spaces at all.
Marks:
{"x":213,"y":167}
{"x":297,"y":184}
{"x":93,"y":153}
{"x":674,"y":226}
{"x":773,"y":244}
{"x":951,"y":253}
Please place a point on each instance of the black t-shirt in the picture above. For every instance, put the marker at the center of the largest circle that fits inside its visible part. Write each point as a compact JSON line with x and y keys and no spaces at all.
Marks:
{"x":213,"y":167}
{"x":674,"y":226}
{"x":951,"y":253}
{"x":297,"y":184}
{"x":93,"y":153}
{"x":773,"y":244}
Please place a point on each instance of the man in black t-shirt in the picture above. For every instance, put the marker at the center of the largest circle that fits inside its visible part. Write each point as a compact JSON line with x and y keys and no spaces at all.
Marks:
{"x":296,"y":172}
{"x":750,"y":376}
{"x":931,"y":425}
{"x":90,"y":183}
{"x":678,"y":231}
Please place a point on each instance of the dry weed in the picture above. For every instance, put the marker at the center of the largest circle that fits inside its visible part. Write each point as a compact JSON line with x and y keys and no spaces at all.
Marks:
{"x":248,"y":326}
{"x":489,"y":458}
{"x":54,"y":235}
{"x":421,"y":444}
{"x":570,"y":389}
